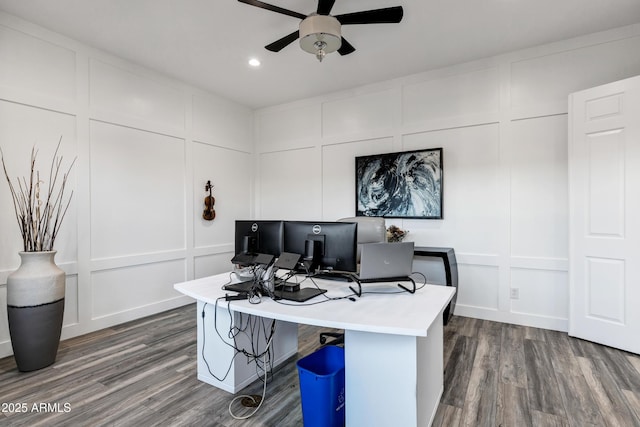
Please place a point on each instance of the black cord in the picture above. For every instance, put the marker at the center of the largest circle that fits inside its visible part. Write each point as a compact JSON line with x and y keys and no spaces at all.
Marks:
{"x":234,"y":331}
{"x":424,"y":280}
{"x":247,"y":329}
{"x":204,"y":336}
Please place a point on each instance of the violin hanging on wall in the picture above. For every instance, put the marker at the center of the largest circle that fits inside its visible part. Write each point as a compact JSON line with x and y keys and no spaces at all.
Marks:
{"x":209,"y":212}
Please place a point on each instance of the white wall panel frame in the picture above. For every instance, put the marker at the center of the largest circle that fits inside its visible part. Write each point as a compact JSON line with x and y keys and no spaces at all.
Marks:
{"x":128,"y":288}
{"x":539,"y":187}
{"x":290,"y":184}
{"x":137,"y":187}
{"x":479,"y":291}
{"x":296,"y":126}
{"x":541,"y":263}
{"x":445,"y":123}
{"x":541,"y":292}
{"x":441,"y":98}
{"x":354,"y":115}
{"x":127,"y":93}
{"x":36,"y":66}
{"x":220,"y":122}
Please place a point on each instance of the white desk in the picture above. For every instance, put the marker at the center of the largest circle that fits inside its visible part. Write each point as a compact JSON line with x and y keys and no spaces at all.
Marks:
{"x":393,"y":345}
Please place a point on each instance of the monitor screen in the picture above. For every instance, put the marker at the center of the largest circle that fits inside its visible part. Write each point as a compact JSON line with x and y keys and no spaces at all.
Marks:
{"x":258,"y":237}
{"x":333,"y":245}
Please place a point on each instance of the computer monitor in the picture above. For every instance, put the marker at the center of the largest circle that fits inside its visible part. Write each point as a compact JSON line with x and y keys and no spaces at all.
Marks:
{"x":324,"y":245}
{"x":258,"y":237}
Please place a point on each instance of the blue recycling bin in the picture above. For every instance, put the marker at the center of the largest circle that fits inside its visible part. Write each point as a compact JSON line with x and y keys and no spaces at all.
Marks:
{"x":322,"y":395}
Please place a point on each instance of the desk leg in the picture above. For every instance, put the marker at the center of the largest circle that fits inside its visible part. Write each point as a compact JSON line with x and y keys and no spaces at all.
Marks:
{"x":393,"y":379}
{"x":218,"y":357}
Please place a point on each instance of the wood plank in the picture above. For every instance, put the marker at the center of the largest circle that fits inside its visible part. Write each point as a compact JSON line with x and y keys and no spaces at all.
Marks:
{"x":578,"y":401}
{"x":450,"y":336}
{"x":613,"y":404}
{"x":542,"y":386}
{"x":469,"y":326}
{"x":561,"y":354}
{"x":634,"y":360}
{"x":481,"y":398}
{"x":480,"y":403}
{"x":633,"y":400}
{"x":541,"y":419}
{"x":488,"y":349}
{"x":512,"y":363}
{"x":447,"y":416}
{"x":531,"y":333}
{"x":458,"y":371}
{"x":513,"y":406}
{"x":622,"y":370}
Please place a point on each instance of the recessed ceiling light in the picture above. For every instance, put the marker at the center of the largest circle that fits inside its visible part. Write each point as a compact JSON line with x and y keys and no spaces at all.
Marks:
{"x":254,"y":62}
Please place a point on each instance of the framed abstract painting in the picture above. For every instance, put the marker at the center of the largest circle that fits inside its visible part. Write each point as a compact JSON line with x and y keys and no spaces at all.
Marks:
{"x":400,"y":185}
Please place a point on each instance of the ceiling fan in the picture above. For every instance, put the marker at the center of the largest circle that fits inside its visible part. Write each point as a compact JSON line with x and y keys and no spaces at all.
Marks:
{"x":320,"y":33}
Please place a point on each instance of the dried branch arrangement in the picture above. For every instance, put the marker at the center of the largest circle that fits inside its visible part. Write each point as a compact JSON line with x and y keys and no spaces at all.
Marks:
{"x":39,"y":214}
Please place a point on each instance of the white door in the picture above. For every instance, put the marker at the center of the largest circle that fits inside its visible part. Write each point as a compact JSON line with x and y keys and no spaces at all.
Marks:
{"x":604,"y":214}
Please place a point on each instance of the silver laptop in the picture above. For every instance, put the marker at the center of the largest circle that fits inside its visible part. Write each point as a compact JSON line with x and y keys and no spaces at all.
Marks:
{"x":386,"y":261}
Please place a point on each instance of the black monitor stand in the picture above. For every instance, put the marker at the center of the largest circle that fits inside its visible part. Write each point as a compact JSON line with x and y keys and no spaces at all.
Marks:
{"x":241,"y":287}
{"x":293,"y":292}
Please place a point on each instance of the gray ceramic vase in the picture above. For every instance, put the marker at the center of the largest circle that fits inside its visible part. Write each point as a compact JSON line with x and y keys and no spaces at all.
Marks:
{"x":35,"y":307}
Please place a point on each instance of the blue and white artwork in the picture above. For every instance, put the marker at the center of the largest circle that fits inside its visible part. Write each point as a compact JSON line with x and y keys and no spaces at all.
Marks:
{"x":400,"y":185}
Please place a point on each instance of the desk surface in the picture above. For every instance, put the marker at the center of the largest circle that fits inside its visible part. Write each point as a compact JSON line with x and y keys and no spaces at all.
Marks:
{"x":394,"y":312}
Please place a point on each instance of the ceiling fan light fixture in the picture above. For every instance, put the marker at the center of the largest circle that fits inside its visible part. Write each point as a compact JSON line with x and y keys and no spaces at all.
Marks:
{"x":320,"y":34}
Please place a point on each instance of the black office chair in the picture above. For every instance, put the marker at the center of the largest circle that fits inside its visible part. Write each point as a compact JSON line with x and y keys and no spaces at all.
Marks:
{"x":338,"y":338}
{"x":370,"y":230}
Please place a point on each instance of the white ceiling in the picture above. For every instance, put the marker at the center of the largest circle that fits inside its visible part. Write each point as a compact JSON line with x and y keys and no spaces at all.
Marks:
{"x":207,"y":43}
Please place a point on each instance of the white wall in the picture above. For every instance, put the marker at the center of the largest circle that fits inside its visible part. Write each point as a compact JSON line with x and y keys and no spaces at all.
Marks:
{"x":502,"y":123}
{"x":146,"y":145}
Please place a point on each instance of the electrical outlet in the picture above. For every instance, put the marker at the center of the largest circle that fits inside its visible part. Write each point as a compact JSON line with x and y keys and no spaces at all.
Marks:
{"x":515,"y":293}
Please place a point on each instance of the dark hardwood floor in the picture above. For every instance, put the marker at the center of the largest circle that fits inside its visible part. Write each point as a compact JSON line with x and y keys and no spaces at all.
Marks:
{"x":498,"y":374}
{"x":143,"y":373}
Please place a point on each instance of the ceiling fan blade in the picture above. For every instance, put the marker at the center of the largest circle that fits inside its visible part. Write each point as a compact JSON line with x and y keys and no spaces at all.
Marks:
{"x":273,"y":8}
{"x":346,"y":48}
{"x":387,"y":15}
{"x":325,"y":6}
{"x":278,"y":45}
